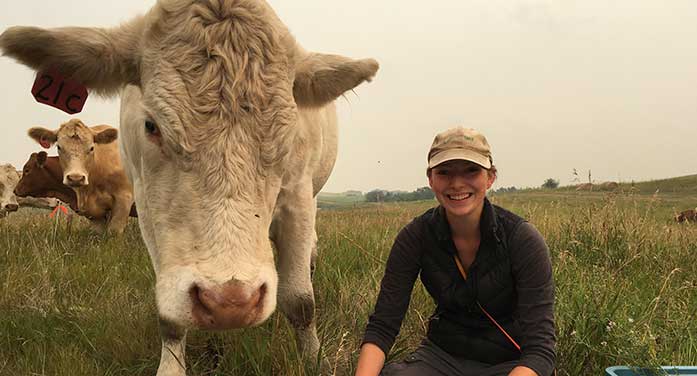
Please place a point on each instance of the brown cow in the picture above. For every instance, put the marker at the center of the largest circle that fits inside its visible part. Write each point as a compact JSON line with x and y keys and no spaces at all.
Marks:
{"x":584,"y":187}
{"x":689,"y":215}
{"x":608,"y":186}
{"x":91,"y":163}
{"x":42,"y":176}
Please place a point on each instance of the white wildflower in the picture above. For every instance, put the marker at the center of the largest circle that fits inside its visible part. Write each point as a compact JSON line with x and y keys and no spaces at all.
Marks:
{"x":610,"y":325}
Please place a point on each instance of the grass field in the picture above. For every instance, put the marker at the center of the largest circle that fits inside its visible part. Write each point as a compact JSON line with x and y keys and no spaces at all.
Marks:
{"x":78,"y":303}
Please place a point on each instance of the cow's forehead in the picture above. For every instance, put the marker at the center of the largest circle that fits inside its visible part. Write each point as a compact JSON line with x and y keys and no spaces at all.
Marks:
{"x":75,"y":131}
{"x":219,"y":60}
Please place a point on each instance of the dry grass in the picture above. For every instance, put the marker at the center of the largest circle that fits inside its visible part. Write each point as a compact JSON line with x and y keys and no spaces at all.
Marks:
{"x":76,"y":303}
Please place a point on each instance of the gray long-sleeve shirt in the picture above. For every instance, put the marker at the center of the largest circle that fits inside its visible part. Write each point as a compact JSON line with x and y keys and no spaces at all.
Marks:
{"x":511,"y":277}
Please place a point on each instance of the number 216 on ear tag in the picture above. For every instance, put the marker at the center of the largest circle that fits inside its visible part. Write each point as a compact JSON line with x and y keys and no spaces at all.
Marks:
{"x":55,"y":90}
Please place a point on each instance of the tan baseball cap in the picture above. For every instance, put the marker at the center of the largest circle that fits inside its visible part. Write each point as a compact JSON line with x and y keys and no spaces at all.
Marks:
{"x":460,"y":143}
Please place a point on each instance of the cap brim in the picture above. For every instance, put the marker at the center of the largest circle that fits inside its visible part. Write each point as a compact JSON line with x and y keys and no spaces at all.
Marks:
{"x":463,"y":154}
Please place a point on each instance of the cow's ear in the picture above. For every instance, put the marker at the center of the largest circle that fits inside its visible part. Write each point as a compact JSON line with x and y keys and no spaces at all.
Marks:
{"x":106,"y":136}
{"x":101,"y":59}
{"x":41,"y":158}
{"x":45,"y":137}
{"x":321,"y":78}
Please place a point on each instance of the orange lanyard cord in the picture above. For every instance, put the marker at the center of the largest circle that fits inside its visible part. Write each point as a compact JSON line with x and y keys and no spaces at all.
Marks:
{"x":464,"y":275}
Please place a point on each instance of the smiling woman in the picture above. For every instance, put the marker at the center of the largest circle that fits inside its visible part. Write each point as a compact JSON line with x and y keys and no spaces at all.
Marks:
{"x":487,"y":269}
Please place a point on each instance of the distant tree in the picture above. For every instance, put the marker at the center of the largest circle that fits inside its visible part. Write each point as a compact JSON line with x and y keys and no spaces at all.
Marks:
{"x":376,"y":195}
{"x":505,"y":189}
{"x":550,"y":183}
{"x":423,"y":193}
{"x":380,"y":195}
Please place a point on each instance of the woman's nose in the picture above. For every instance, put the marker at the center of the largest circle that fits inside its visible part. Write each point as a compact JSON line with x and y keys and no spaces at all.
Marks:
{"x":458,"y":179}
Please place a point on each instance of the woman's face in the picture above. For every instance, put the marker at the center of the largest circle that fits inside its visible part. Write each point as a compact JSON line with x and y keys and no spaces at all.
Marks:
{"x":460,"y":186}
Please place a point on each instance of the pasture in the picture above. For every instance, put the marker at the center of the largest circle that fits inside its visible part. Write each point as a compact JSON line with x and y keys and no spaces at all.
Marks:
{"x":80,"y":303}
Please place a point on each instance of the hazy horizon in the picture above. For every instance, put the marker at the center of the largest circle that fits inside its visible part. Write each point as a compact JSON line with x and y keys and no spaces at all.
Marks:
{"x":593,"y":85}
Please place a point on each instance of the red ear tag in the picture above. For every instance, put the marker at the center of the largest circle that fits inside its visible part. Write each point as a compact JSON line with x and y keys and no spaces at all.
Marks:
{"x":53,"y":89}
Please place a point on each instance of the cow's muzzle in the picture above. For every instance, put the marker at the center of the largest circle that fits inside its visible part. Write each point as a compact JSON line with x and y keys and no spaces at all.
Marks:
{"x":233,"y":304}
{"x":75,"y":180}
{"x":11,"y":207}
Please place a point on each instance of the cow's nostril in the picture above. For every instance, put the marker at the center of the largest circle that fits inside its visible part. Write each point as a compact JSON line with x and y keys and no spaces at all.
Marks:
{"x":262,"y":293}
{"x":11,"y":207}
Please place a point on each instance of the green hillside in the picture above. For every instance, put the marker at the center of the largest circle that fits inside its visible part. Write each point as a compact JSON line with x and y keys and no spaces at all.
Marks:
{"x":680,"y":185}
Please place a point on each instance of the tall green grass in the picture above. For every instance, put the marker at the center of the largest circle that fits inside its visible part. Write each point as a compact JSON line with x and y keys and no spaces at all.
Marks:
{"x":78,"y":303}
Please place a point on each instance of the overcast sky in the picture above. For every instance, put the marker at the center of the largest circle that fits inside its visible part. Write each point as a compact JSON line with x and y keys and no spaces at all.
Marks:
{"x":609,"y":86}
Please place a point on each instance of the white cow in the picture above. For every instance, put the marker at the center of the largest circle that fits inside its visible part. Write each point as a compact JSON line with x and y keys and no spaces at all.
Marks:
{"x":228,"y":131}
{"x":8,"y":180}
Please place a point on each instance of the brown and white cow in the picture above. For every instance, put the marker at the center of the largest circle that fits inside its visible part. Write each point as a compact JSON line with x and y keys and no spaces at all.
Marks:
{"x":8,"y":179}
{"x":42,"y":176}
{"x":228,"y":131}
{"x":10,"y":202}
{"x":689,"y":215}
{"x":91,"y":164}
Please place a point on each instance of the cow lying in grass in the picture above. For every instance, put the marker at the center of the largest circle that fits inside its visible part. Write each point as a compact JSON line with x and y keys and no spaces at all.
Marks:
{"x":91,"y":166}
{"x":42,"y":176}
{"x":9,"y":202}
{"x":689,"y":215}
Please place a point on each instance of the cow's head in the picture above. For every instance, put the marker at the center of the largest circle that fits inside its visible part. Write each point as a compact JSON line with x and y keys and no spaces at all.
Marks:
{"x":35,"y":176}
{"x":8,"y":180}
{"x":209,"y":119}
{"x":75,"y":143}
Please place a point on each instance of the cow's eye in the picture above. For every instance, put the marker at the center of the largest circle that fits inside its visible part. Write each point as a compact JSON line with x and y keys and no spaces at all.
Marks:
{"x":92,"y":149}
{"x":151,"y":128}
{"x":58,"y":147}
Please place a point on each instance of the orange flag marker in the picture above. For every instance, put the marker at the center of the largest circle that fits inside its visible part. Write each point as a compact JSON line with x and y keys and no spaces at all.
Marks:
{"x":55,"y":210}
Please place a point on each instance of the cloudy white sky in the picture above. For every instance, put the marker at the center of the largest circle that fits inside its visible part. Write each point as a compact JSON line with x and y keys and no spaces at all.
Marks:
{"x":606,"y":86}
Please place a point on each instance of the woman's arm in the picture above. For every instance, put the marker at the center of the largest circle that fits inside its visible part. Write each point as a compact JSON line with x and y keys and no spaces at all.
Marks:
{"x":402,"y":268}
{"x":532,"y":271}
{"x":370,"y":361}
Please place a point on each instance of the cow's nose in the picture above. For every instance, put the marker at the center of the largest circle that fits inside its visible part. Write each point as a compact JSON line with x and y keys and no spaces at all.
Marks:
{"x":11,"y":207}
{"x":233,"y":304}
{"x":76,"y":179}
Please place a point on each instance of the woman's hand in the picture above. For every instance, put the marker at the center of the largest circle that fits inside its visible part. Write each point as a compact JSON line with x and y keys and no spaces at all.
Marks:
{"x":522,"y":371}
{"x":371,"y":360}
